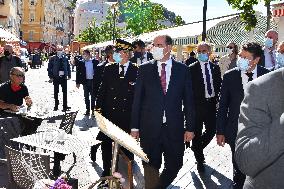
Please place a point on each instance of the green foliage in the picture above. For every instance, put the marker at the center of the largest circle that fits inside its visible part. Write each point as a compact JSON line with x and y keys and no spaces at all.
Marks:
{"x":179,"y":21}
{"x":142,"y":16}
{"x":104,"y":32}
{"x":248,"y":14}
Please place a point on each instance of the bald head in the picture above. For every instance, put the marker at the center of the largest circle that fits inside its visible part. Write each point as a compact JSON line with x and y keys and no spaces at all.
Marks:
{"x":272,"y":34}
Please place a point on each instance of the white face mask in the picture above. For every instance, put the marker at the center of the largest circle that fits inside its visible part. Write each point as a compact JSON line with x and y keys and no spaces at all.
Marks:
{"x":158,"y":53}
{"x":280,"y":59}
{"x":229,"y":51}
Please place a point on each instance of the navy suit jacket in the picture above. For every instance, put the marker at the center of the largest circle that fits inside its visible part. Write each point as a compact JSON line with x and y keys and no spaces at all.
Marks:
{"x":150,"y":103}
{"x":232,"y":94}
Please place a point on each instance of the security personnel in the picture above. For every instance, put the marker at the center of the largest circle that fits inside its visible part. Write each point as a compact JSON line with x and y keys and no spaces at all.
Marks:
{"x":115,"y":98}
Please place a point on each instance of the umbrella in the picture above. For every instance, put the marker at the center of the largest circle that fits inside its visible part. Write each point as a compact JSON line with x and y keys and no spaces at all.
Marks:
{"x":7,"y":36}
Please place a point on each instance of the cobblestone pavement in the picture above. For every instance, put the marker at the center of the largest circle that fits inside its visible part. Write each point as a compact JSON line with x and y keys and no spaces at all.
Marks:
{"x":218,"y":172}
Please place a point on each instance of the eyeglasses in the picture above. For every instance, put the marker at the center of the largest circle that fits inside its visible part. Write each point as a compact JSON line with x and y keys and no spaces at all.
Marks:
{"x":230,"y":47}
{"x":19,"y":75}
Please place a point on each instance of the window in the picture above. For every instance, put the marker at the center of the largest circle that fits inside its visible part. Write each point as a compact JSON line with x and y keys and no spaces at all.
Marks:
{"x":31,"y":35}
{"x":32,"y":17}
{"x":32,"y":2}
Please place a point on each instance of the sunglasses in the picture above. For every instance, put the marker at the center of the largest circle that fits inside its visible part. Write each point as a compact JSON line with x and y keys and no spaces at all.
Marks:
{"x":19,"y":75}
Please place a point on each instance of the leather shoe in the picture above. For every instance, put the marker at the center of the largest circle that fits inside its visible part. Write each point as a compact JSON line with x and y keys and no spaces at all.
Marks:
{"x":87,"y":113}
{"x":55,"y":108}
{"x":66,"y":108}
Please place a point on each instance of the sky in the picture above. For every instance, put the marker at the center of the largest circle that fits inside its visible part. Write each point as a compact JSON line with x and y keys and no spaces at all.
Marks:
{"x":191,"y":10}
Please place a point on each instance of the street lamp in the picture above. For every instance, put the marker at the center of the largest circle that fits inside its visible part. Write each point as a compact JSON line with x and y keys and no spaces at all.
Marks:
{"x":113,"y":5}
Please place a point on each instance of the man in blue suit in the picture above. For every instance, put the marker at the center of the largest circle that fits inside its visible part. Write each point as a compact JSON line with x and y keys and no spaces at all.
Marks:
{"x":163,"y":87}
{"x":232,"y":94}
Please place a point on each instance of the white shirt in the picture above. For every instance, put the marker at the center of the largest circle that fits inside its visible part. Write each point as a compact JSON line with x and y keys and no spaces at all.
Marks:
{"x":126,"y":65}
{"x":168,"y":69}
{"x":245,"y":77}
{"x":202,"y":64}
{"x":89,"y":69}
{"x":268,"y":61}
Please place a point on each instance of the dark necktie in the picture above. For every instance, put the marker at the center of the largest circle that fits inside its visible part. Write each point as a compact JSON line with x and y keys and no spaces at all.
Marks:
{"x":272,"y":58}
{"x":209,"y":89}
{"x":163,"y":78}
{"x":249,"y":74}
{"x":121,"y":74}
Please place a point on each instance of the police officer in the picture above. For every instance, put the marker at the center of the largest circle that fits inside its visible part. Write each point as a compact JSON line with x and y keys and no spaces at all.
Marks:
{"x":115,"y":97}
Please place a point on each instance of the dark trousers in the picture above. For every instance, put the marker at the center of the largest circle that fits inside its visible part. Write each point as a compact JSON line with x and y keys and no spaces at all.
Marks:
{"x":63,"y":82}
{"x":238,"y":177}
{"x":88,"y":90}
{"x":205,"y":114}
{"x":173,"y":156}
{"x":106,"y":147}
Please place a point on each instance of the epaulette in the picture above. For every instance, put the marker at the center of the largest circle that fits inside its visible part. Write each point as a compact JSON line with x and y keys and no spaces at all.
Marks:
{"x":110,"y":63}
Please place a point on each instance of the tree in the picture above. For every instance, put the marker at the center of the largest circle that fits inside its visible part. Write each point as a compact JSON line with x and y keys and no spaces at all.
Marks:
{"x":142,"y":16}
{"x":101,"y":33}
{"x":248,"y":14}
{"x":179,"y":21}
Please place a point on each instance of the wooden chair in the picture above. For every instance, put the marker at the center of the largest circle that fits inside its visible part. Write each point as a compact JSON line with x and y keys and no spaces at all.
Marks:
{"x":25,"y":169}
{"x":129,"y":168}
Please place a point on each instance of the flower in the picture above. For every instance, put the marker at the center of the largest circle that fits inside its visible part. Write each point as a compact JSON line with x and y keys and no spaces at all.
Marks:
{"x":122,"y":180}
{"x":117,"y":175}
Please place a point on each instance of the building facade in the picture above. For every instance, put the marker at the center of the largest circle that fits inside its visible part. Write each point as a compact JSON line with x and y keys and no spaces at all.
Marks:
{"x":11,"y":15}
{"x":46,"y":22}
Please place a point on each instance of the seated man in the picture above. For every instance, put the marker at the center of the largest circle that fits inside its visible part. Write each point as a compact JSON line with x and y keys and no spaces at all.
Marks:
{"x":14,"y":91}
{"x":12,"y":95}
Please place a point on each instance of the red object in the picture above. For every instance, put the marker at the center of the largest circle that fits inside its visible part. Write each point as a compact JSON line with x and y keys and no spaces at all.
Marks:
{"x":163,"y":78}
{"x":15,"y":88}
{"x":278,"y":12}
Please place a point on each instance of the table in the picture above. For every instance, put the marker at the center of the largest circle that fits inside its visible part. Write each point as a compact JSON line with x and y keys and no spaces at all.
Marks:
{"x":51,"y":140}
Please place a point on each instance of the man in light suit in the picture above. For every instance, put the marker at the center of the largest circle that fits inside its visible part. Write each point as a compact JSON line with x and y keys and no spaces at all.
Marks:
{"x":162,"y":87}
{"x":232,"y":94}
{"x":260,"y":139}
{"x":206,"y":83}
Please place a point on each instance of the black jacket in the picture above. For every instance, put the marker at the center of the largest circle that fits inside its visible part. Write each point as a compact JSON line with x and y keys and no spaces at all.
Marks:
{"x":98,"y":77}
{"x":81,"y":71}
{"x":231,"y":96}
{"x":198,"y":82}
{"x":115,"y":95}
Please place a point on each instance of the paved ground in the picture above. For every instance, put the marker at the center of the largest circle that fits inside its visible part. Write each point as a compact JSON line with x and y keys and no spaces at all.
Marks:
{"x":218,"y":173}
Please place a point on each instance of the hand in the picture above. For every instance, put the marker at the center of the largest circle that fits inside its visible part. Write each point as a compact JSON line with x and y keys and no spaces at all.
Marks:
{"x":50,"y":80}
{"x":14,"y":108}
{"x":29,"y":101}
{"x":220,"y":140}
{"x":78,"y":86}
{"x":135,"y":134}
{"x":188,"y":136}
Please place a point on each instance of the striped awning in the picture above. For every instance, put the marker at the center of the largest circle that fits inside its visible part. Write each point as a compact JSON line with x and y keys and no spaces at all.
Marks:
{"x":233,"y":30}
{"x":278,"y":12}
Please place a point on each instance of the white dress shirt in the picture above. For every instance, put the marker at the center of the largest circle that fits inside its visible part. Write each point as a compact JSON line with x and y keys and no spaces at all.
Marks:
{"x":268,"y":61}
{"x":202,"y":64}
{"x":245,"y":77}
{"x":126,"y":65}
{"x":89,"y":69}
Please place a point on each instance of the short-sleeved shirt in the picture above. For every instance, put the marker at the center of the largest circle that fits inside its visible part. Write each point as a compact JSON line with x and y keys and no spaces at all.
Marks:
{"x":9,"y":96}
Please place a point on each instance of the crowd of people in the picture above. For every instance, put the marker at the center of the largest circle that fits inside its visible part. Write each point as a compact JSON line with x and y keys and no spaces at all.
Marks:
{"x":166,"y":104}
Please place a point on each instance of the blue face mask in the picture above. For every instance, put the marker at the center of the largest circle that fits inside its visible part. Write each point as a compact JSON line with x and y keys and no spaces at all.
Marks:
{"x":280,"y":59}
{"x":202,"y":57}
{"x":243,"y":64}
{"x":117,"y":58}
{"x":268,"y":42}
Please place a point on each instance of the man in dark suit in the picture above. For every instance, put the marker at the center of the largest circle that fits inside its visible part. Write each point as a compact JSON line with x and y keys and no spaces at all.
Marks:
{"x":206,"y":82}
{"x":232,"y":94}
{"x":140,"y":55}
{"x":115,"y":98}
{"x":191,"y":58}
{"x":58,"y":72}
{"x":85,"y":72}
{"x":163,"y":86}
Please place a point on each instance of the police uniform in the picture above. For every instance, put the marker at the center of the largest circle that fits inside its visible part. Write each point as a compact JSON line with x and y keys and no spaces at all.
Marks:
{"x":114,"y":101}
